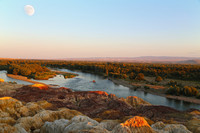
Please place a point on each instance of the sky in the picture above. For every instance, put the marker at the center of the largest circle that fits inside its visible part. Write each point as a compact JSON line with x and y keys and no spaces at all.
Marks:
{"x":99,"y":28}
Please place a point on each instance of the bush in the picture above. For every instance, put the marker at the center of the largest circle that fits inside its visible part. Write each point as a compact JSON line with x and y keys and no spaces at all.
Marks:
{"x":186,"y":91}
{"x":146,"y":87}
{"x":172,"y":83}
{"x":158,"y":79}
{"x":140,"y":76}
{"x":132,"y":76}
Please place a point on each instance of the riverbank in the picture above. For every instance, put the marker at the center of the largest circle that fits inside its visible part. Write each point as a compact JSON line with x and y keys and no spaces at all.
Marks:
{"x":153,"y":91}
{"x":23,"y":78}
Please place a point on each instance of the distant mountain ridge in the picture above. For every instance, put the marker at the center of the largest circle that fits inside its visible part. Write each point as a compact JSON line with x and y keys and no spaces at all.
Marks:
{"x":143,"y":59}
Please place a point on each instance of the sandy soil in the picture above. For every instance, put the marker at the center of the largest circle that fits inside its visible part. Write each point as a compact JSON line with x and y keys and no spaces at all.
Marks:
{"x":23,"y":78}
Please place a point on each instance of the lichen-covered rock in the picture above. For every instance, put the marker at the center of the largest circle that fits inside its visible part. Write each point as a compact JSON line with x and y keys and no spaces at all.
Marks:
{"x":38,"y":120}
{"x":1,"y":80}
{"x":109,"y":124}
{"x":83,"y":124}
{"x":78,"y":124}
{"x":57,"y":126}
{"x":95,"y":129}
{"x":136,"y":101}
{"x":194,"y":125}
{"x":5,"y":128}
{"x":11,"y":106}
{"x":169,"y":128}
{"x":81,"y":118}
{"x":134,"y":125}
{"x":8,"y":120}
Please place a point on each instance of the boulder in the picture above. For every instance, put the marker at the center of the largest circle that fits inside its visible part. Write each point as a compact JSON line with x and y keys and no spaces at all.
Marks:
{"x":5,"y":128}
{"x":78,"y":124}
{"x":57,"y":126}
{"x":170,"y":128}
{"x":1,"y":80}
{"x":109,"y":124}
{"x":193,"y":125}
{"x":133,"y":125}
{"x":11,"y":106}
{"x":38,"y":120}
{"x":136,"y":101}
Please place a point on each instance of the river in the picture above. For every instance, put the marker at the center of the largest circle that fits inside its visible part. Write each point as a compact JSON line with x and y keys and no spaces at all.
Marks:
{"x":83,"y":82}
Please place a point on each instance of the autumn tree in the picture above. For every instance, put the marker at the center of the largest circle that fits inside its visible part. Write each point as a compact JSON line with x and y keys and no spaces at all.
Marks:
{"x":158,"y":79}
{"x":140,"y":76}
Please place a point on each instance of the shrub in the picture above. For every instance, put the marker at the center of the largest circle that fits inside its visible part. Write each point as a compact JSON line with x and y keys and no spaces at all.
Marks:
{"x":158,"y":79}
{"x":186,"y":91}
{"x":140,"y":76}
{"x":146,"y":87}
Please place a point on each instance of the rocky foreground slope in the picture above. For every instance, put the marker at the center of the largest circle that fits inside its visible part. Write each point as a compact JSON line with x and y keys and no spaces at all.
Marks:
{"x":49,"y":110}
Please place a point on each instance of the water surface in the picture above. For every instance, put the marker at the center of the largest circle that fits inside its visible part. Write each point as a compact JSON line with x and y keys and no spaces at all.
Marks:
{"x":7,"y":79}
{"x":83,"y":82}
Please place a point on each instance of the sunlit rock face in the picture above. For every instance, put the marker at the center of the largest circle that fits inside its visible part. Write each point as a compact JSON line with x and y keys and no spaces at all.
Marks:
{"x":75,"y":125}
{"x":136,"y":101}
{"x":160,"y":127}
{"x":1,"y":80}
{"x":91,"y":103}
{"x":19,"y":117}
{"x":40,"y":86}
{"x":194,"y":125}
{"x":133,"y":125}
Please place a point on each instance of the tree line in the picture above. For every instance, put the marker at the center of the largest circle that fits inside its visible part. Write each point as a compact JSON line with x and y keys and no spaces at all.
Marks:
{"x":116,"y":70}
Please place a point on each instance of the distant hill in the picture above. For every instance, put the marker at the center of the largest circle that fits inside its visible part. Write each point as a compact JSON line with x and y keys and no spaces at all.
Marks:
{"x":189,"y":62}
{"x":143,"y":59}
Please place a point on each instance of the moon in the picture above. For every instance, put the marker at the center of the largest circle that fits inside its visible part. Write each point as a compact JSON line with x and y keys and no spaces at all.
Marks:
{"x":29,"y":10}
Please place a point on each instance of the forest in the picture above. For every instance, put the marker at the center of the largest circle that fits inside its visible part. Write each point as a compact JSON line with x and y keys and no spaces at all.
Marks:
{"x":37,"y":69}
{"x":110,"y":69}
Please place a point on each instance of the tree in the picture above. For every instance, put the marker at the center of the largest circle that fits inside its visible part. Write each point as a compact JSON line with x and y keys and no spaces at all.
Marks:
{"x":158,"y":79}
{"x":140,"y":76}
{"x":132,"y":76}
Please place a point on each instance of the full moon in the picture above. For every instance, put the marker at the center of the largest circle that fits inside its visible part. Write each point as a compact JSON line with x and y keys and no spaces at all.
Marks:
{"x":29,"y":10}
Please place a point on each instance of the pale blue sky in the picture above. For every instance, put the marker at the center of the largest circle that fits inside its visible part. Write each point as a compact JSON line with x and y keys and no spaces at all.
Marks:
{"x":100,"y":28}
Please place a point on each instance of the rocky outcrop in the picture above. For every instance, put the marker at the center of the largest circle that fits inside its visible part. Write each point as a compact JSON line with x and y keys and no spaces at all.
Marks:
{"x":40,"y":86}
{"x":19,"y":117}
{"x":133,"y":125}
{"x":95,"y":104}
{"x":136,"y":101}
{"x":75,"y":125}
{"x":1,"y":80}
{"x":8,"y":88}
{"x":194,"y":125}
{"x":92,"y":103}
{"x":169,"y":128}
{"x":83,"y":124}
{"x":157,"y":113}
{"x":109,"y":124}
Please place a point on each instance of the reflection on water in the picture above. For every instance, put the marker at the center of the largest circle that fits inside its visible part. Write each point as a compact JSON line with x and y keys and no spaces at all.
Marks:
{"x":83,"y":82}
{"x":7,"y":79}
